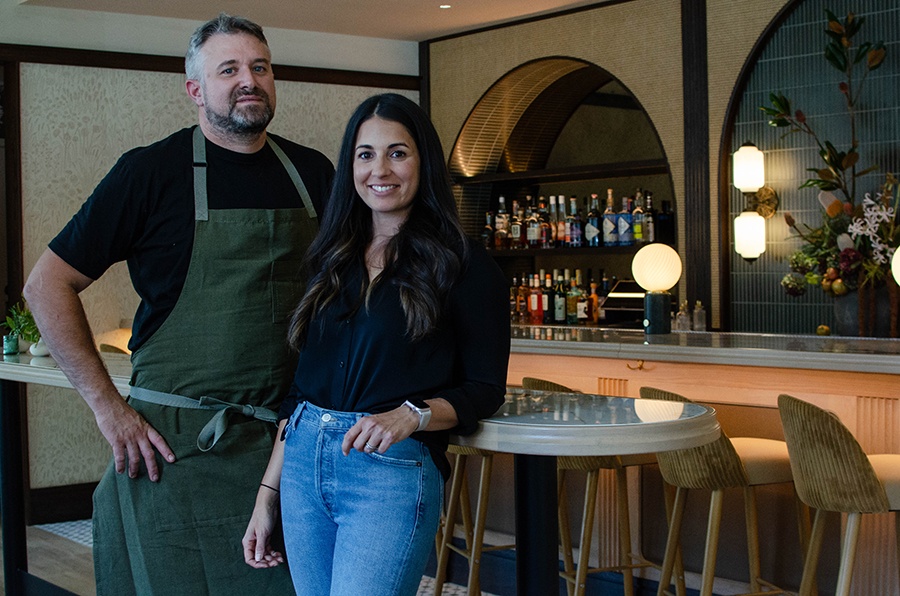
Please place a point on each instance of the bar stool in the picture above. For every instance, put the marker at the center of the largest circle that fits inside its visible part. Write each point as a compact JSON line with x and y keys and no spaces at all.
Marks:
{"x":744,"y":462}
{"x":576,"y":576}
{"x":458,"y":503}
{"x":833,"y":473}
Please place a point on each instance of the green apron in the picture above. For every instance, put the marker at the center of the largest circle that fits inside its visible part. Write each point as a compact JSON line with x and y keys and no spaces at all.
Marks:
{"x":225,"y":339}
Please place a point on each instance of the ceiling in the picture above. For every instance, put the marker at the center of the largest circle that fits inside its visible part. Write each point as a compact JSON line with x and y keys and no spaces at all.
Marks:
{"x":406,"y":20}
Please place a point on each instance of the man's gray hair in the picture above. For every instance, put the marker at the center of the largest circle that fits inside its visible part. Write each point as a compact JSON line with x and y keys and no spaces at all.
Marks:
{"x":222,"y":24}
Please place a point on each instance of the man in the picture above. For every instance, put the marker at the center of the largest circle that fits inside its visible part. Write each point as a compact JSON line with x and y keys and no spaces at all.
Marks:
{"x":213,"y":222}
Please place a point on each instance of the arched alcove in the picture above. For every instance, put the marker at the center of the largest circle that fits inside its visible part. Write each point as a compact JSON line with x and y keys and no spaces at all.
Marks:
{"x":789,"y":59}
{"x":556,"y":125}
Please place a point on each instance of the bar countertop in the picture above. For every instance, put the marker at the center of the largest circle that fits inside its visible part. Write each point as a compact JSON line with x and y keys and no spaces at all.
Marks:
{"x":837,"y":353}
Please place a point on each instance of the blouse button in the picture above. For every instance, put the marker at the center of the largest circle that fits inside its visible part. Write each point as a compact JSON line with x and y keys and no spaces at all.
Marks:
{"x":341,"y":364}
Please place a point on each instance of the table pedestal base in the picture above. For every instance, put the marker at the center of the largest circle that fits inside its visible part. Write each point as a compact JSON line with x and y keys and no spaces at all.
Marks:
{"x":537,"y":529}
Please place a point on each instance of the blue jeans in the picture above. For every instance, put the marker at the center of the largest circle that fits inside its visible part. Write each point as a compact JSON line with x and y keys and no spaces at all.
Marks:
{"x":362,"y":523}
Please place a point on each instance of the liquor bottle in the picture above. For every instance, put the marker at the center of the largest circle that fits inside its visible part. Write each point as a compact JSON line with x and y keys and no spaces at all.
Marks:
{"x":532,"y":228}
{"x":513,"y":300}
{"x":522,"y":300}
{"x":515,"y":227}
{"x":560,"y":221}
{"x":665,"y":224}
{"x":637,"y":217}
{"x":547,"y":297}
{"x":537,"y":301}
{"x":553,"y":219}
{"x":649,"y":227}
{"x":523,"y":213}
{"x":567,"y":234}
{"x":623,"y":219}
{"x":573,"y":295}
{"x":699,"y":317}
{"x":501,"y":225}
{"x":559,"y":302}
{"x":610,"y":226}
{"x":546,"y":230}
{"x":487,"y":233}
{"x":592,"y":236}
{"x":683,"y":318}
{"x":582,"y":305}
{"x":595,"y":304}
{"x":575,"y":230}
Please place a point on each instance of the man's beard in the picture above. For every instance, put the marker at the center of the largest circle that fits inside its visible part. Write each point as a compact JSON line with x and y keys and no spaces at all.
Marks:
{"x":244,"y":120}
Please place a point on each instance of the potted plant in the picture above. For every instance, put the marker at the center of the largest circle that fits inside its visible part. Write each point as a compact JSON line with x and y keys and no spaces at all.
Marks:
{"x":849,"y":251}
{"x":20,"y":326}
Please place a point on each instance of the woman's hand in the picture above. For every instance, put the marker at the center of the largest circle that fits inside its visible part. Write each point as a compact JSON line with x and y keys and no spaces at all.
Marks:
{"x":380,"y":431}
{"x":258,"y":552}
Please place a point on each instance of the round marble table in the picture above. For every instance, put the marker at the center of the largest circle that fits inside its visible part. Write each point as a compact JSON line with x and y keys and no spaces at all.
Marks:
{"x":538,"y":426}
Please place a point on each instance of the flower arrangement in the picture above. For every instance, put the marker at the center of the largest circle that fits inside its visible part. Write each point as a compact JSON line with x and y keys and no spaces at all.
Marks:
{"x":852,"y":247}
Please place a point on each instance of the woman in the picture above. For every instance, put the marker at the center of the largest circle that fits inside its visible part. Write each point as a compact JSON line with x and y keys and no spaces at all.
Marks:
{"x":403,"y":335}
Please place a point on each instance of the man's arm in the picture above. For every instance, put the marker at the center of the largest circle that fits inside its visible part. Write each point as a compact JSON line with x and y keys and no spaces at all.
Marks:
{"x":52,"y":293}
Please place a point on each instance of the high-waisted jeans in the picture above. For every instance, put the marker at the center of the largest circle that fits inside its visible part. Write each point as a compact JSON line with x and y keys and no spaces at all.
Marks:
{"x":357,"y":524}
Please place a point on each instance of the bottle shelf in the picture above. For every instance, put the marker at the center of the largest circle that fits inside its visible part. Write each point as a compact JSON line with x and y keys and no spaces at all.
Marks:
{"x":572,"y":174}
{"x":566,"y":252}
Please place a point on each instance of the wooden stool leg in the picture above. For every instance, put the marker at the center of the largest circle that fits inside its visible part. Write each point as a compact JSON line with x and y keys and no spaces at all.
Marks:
{"x":712,"y":541}
{"x":811,"y":561}
{"x":678,"y":569}
{"x":624,"y":530}
{"x":484,"y":491}
{"x":673,"y":540}
{"x":750,"y":514}
{"x":565,"y":534}
{"x":587,"y":527}
{"x":456,"y":484}
{"x":848,"y":554}
{"x":803,"y":524}
{"x":897,"y":527}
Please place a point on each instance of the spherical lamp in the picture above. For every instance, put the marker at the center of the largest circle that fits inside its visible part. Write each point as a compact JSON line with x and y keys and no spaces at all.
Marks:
{"x":657,"y":268}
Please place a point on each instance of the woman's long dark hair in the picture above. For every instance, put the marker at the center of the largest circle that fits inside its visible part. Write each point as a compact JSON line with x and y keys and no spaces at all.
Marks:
{"x":424,"y":259}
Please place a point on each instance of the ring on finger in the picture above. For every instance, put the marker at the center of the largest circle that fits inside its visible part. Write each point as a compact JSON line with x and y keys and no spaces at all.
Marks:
{"x":370,"y":447}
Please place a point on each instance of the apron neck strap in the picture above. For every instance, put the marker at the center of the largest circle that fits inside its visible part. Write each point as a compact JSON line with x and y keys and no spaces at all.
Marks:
{"x":201,"y":203}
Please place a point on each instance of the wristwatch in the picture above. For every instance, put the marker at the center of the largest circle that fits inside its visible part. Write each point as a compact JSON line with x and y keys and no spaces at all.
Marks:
{"x":421,"y":409}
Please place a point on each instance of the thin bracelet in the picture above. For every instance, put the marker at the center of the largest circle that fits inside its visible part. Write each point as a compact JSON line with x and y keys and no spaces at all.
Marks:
{"x":269,"y":487}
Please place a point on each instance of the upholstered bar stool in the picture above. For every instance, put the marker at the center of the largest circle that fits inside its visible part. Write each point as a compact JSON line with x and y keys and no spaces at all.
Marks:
{"x":833,"y":473}
{"x":744,"y":463}
{"x":576,"y":575}
{"x":459,"y":504}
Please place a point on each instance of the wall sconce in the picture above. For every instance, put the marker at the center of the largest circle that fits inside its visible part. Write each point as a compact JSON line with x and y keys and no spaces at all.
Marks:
{"x":657,"y":268}
{"x":749,"y":176}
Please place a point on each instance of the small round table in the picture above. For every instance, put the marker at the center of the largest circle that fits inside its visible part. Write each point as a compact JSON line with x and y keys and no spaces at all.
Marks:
{"x":538,"y":426}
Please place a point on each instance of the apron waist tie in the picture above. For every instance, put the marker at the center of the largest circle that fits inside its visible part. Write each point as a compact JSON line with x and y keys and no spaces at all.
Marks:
{"x":218,"y":424}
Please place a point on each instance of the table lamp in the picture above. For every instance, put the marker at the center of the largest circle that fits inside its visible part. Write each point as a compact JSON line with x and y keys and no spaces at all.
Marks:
{"x":657,"y":268}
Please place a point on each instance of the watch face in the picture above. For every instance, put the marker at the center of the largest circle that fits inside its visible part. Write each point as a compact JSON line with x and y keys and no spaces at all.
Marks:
{"x":420,"y":403}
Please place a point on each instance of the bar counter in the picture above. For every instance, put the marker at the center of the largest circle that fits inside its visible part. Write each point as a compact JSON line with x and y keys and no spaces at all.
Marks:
{"x":741,"y":375}
{"x":836,"y":353}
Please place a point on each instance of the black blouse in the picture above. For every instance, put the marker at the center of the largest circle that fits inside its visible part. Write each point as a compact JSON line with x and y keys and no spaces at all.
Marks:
{"x":366,"y":363}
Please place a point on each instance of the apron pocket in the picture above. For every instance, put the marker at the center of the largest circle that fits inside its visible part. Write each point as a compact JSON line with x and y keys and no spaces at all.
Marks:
{"x":216,"y":487}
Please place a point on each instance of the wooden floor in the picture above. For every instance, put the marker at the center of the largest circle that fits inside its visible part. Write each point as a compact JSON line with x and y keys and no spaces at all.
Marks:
{"x":60,"y":561}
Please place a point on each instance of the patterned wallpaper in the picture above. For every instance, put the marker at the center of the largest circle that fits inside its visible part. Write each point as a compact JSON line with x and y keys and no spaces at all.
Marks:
{"x":76,"y":121}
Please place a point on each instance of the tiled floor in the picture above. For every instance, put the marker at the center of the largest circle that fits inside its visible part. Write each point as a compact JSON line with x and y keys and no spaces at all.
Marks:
{"x":80,"y":532}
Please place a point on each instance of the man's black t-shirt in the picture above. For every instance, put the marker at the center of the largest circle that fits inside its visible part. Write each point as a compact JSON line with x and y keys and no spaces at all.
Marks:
{"x":142,"y":212}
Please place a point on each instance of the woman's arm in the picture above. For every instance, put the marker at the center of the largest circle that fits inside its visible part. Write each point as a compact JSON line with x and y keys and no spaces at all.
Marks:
{"x":258,"y":551}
